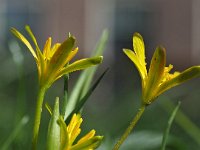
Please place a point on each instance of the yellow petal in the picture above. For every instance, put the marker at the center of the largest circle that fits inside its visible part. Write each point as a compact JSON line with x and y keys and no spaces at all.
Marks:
{"x":90,"y":144}
{"x":139,"y":48}
{"x":28,"y":29}
{"x":87,"y":136}
{"x":75,"y":119}
{"x":47,"y":48}
{"x":76,"y":130}
{"x":136,"y":61}
{"x":58,"y":59}
{"x":186,"y":75}
{"x":71,"y":55}
{"x":155,"y":75}
{"x":79,"y":65}
{"x":25,"y":41}
{"x":54,"y":48}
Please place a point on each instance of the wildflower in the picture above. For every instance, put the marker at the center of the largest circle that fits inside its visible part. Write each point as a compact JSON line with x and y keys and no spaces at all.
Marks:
{"x":69,"y":134}
{"x":158,"y":79}
{"x":52,"y":62}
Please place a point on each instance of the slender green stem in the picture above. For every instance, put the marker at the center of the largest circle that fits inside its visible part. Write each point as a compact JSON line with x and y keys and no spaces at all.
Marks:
{"x":38,"y":112}
{"x":130,"y":127}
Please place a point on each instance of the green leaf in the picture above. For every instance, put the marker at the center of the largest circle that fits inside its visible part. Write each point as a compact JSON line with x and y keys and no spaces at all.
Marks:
{"x":170,"y":121}
{"x":85,"y":79}
{"x":53,"y":135}
{"x":186,"y":75}
{"x":85,"y":98}
{"x":183,"y":121}
{"x":64,"y":139}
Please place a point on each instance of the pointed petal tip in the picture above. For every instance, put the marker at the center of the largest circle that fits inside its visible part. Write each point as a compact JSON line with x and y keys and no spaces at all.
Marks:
{"x":97,"y":60}
{"x":71,"y":37}
{"x":27,"y":27}
{"x":126,"y":50}
{"x":13,"y":30}
{"x":160,"y":50}
{"x":137,"y":34}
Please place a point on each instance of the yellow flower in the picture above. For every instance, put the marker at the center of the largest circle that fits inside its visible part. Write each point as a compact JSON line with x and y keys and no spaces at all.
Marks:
{"x":69,"y":134}
{"x":52,"y":62}
{"x":158,"y":79}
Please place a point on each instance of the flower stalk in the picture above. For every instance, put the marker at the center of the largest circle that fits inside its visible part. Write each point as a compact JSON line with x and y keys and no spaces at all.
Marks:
{"x":38,"y":113}
{"x":130,"y":127}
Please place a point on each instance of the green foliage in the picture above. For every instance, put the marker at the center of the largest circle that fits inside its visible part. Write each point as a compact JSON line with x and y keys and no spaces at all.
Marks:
{"x":85,"y":79}
{"x":169,"y":124}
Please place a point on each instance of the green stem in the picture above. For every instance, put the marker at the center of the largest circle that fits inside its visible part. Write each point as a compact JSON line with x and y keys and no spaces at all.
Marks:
{"x":38,"y":112}
{"x":130,"y":127}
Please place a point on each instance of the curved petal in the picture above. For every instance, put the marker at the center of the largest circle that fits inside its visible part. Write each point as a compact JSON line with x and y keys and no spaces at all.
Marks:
{"x":90,"y":144}
{"x":186,"y":75}
{"x":28,"y":29}
{"x":142,"y":69}
{"x":139,"y":48}
{"x":155,"y":74}
{"x":87,"y":136}
{"x":25,"y":41}
{"x":79,"y":65}
{"x":47,"y":48}
{"x":59,"y":57}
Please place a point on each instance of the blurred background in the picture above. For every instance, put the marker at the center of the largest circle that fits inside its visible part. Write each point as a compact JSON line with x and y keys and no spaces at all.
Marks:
{"x":173,"y":24}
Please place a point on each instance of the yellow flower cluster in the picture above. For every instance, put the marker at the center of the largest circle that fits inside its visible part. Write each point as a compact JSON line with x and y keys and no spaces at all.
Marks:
{"x":158,"y":79}
{"x":70,"y":133}
{"x":52,"y":62}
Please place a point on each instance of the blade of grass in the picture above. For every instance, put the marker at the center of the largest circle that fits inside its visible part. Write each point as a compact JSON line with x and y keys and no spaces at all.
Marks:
{"x":85,"y":98}
{"x":66,"y":94}
{"x":18,"y":128}
{"x":183,"y":121}
{"x":169,"y":124}
{"x":85,"y":79}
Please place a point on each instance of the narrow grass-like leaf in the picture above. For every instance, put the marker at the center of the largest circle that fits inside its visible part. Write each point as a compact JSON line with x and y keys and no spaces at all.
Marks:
{"x":184,"y":121}
{"x":66,"y":93}
{"x":85,"y":98}
{"x":170,"y":121}
{"x":18,"y":128}
{"x":85,"y":79}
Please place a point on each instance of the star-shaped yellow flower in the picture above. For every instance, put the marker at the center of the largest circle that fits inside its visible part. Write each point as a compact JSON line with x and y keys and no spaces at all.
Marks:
{"x":158,"y":79}
{"x":69,"y":134}
{"x":52,"y":62}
